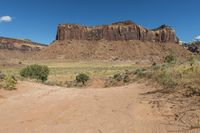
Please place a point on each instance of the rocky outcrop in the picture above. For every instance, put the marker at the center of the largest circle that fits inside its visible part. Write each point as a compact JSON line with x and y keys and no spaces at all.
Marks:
{"x":7,"y":46}
{"x":194,"y":47}
{"x":22,"y":45}
{"x":120,"y":31}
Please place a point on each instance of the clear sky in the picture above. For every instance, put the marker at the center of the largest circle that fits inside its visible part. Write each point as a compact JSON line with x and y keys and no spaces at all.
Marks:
{"x":38,"y":19}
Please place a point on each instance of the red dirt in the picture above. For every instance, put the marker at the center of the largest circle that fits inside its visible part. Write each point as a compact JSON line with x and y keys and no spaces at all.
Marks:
{"x":37,"y":108}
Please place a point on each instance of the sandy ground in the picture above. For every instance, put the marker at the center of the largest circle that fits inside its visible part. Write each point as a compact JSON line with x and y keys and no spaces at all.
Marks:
{"x":37,"y":108}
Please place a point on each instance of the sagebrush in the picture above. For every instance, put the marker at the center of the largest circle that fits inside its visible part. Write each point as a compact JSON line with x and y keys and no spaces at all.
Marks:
{"x":7,"y":82}
{"x":82,"y":78}
{"x":35,"y":71}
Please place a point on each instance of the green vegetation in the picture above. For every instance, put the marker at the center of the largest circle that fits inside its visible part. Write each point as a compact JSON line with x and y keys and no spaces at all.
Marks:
{"x":64,"y":72}
{"x":38,"y":72}
{"x":173,"y":76}
{"x":170,"y":59}
{"x":82,"y":78}
{"x":7,"y":82}
{"x":123,"y":78}
{"x":179,"y":77}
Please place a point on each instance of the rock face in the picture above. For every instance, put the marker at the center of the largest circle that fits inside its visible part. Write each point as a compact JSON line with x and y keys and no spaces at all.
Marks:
{"x":120,"y":31}
{"x":22,"y":45}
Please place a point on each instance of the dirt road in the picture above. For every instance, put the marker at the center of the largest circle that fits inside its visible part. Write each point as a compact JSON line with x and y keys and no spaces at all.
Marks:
{"x":37,"y":108}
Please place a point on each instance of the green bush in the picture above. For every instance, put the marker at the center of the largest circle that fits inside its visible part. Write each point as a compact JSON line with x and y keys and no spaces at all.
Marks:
{"x":35,"y":72}
{"x":170,"y":59}
{"x":9,"y":83}
{"x":140,"y":72}
{"x":82,"y":78}
{"x":117,"y":77}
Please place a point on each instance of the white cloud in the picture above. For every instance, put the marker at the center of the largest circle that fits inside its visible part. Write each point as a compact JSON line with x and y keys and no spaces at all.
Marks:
{"x":5,"y":19}
{"x":197,"y":37}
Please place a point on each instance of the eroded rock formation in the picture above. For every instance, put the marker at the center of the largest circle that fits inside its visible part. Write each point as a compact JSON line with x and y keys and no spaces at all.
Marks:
{"x":120,"y":31}
{"x":22,"y":45}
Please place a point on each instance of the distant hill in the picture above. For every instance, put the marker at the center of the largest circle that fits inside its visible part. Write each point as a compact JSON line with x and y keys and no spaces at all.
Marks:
{"x":18,"y":48}
{"x":112,"y":50}
{"x":20,"y":44}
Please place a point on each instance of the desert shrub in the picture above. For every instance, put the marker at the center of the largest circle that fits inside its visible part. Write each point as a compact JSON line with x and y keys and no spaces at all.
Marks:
{"x":2,"y":75}
{"x":9,"y":82}
{"x":166,"y":79}
{"x":121,"y":78}
{"x":170,"y":59}
{"x":117,"y":77}
{"x":162,"y":74}
{"x":126,"y":79}
{"x":192,"y":91}
{"x":82,"y":78}
{"x":35,"y":72}
{"x":140,"y":72}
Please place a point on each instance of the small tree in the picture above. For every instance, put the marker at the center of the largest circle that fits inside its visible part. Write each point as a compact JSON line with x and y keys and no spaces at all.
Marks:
{"x":35,"y":72}
{"x":82,"y":78}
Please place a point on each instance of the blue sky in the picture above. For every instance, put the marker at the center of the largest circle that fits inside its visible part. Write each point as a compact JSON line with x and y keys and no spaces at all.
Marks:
{"x":38,"y":19}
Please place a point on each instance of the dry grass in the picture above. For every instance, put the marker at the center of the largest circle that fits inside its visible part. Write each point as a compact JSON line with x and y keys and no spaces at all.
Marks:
{"x":183,"y":77}
{"x":65,"y":70}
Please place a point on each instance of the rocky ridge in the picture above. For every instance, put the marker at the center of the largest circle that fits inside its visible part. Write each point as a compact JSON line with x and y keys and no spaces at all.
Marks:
{"x":120,"y":31}
{"x":20,"y":44}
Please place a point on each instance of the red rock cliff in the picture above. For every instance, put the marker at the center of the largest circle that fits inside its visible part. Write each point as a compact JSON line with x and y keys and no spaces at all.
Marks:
{"x":126,"y":30}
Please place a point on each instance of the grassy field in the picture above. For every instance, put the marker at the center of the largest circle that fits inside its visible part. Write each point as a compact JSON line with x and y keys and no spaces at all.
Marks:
{"x":184,"y":76}
{"x":62,"y":70}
